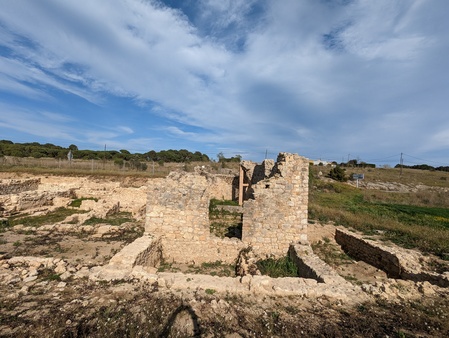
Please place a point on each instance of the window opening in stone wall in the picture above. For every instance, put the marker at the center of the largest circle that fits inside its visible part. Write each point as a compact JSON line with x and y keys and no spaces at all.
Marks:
{"x":225,"y":218}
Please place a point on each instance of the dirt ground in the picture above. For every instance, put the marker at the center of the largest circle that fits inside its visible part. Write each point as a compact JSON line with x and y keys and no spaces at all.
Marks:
{"x":45,"y":290}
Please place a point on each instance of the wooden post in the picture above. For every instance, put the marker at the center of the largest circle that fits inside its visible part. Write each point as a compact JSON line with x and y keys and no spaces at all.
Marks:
{"x":241,"y":185}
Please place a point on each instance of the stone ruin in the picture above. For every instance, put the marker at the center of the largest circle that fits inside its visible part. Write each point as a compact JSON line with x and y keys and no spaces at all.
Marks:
{"x":274,"y":198}
{"x":274,"y":211}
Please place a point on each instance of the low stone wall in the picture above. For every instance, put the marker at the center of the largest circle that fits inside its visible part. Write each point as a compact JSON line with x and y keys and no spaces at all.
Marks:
{"x":214,"y":249}
{"x":311,"y":266}
{"x":395,"y":261}
{"x":369,"y":252}
{"x":144,"y":251}
{"x":15,"y":186}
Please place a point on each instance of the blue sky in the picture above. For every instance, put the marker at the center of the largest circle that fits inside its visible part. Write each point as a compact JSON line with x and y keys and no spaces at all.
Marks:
{"x":327,"y":79}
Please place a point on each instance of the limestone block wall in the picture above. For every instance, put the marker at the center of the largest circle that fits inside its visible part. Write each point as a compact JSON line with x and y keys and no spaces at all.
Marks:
{"x":178,"y":212}
{"x":311,"y":266}
{"x":178,"y":207}
{"x":277,"y":216}
{"x":223,"y":187}
{"x":359,"y":248}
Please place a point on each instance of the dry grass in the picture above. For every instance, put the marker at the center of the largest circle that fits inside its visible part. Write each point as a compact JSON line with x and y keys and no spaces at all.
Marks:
{"x":409,"y":176}
{"x":98,"y":167}
{"x":412,"y":219}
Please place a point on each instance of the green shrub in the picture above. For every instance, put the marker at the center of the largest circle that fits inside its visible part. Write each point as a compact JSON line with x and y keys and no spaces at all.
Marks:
{"x":338,"y":174}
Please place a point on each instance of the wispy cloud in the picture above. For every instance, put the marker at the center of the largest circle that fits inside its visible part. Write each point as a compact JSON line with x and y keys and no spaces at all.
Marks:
{"x":307,"y":76}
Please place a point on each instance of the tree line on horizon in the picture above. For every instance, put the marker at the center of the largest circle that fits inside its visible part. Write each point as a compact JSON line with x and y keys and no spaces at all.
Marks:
{"x":423,"y":167}
{"x":37,"y":150}
{"x":355,"y":163}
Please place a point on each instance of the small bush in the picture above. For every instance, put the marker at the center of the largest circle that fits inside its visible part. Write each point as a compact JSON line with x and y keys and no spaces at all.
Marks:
{"x":338,"y":174}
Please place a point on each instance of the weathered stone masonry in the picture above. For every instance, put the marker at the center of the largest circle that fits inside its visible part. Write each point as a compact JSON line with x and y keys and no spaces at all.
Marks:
{"x":178,"y":212}
{"x":274,"y":216}
{"x":277,"y":214}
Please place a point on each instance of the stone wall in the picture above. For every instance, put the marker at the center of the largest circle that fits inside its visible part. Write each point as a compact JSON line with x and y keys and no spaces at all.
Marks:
{"x":15,"y":186}
{"x":178,"y":212}
{"x":359,"y":248}
{"x":255,"y":172}
{"x":198,"y":251}
{"x":223,"y":187}
{"x":178,"y":207}
{"x":277,"y":216}
{"x":311,"y":266}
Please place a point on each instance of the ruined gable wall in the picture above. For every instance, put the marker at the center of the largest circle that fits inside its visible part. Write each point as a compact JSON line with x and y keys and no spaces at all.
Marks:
{"x":277,"y":215}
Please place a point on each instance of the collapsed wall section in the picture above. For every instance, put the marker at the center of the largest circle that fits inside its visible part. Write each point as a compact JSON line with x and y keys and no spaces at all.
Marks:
{"x":277,"y":214}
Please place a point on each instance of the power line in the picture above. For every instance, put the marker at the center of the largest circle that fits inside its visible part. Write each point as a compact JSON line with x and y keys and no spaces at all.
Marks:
{"x":420,"y":159}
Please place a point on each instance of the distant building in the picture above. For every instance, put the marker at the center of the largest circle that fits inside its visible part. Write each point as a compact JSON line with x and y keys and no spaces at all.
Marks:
{"x":321,"y":162}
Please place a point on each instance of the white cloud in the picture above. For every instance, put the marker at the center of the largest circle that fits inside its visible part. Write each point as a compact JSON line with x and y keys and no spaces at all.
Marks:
{"x":255,"y":74}
{"x":125,"y":129}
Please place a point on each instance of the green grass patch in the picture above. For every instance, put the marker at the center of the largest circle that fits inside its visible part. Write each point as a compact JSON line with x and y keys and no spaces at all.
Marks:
{"x":49,"y":274}
{"x":214,"y":203}
{"x":275,"y":268}
{"x":224,"y":223}
{"x":55,"y":216}
{"x":217,"y":268}
{"x":77,"y":202}
{"x":4,"y":225}
{"x":114,"y":219}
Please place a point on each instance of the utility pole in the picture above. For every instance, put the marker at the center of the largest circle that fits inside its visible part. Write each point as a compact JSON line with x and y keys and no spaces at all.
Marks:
{"x":401,"y":165}
{"x":104,"y":158}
